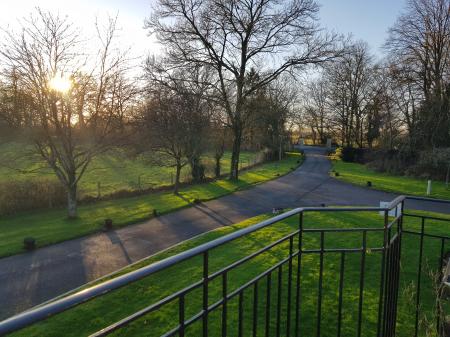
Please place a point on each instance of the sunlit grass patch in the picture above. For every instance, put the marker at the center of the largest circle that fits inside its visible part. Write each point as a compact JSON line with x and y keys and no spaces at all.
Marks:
{"x":360,"y":174}
{"x":100,"y":312}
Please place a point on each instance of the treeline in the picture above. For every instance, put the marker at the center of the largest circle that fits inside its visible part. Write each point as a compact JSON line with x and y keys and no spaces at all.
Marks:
{"x":210,"y":90}
{"x":398,"y":105}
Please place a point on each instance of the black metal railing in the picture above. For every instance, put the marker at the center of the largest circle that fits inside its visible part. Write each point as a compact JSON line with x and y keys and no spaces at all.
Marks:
{"x":319,"y":278}
{"x":441,"y":241}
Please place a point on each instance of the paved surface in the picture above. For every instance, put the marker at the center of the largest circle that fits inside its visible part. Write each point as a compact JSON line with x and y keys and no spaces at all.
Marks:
{"x":32,"y":278}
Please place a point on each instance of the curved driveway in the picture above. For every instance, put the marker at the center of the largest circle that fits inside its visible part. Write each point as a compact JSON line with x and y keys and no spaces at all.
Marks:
{"x":32,"y":278}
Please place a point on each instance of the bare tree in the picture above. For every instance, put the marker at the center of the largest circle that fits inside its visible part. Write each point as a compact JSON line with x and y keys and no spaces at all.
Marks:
{"x":270,"y":109}
{"x":164,"y":128}
{"x":232,"y":36}
{"x":75,"y":97}
{"x":193,"y":86}
{"x":420,"y":41}
{"x":316,"y":110}
{"x":349,"y":79}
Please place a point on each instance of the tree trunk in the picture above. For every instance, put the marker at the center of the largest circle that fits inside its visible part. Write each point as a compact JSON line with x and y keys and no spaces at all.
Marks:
{"x":280,"y":156}
{"x":177,"y":179}
{"x":72,"y":201}
{"x":197,"y":169}
{"x":217,"y":168}
{"x":234,"y":168}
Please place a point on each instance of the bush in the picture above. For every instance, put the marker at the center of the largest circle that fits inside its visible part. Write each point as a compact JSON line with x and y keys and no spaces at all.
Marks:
{"x":432,"y":163}
{"x":335,"y":154}
{"x":17,"y":196}
{"x":29,"y":243}
{"x":393,"y":161}
{"x":353,"y":155}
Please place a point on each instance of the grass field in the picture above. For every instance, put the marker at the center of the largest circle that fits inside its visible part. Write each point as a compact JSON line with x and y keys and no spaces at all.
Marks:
{"x":52,"y":226}
{"x":113,"y":171}
{"x":104,"y":310}
{"x":360,"y":174}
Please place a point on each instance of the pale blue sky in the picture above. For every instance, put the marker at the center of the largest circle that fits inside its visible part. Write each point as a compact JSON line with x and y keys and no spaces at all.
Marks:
{"x":368,"y":20}
{"x":365,"y":19}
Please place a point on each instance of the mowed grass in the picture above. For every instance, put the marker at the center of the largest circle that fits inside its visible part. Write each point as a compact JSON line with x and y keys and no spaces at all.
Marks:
{"x":51,"y":226}
{"x":110,"y":172}
{"x":102,"y":311}
{"x":360,"y":174}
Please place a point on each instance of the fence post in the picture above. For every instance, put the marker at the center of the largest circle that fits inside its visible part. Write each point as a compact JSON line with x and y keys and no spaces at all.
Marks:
{"x":429,"y":187}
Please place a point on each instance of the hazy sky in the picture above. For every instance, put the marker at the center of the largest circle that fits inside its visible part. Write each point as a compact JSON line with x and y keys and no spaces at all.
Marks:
{"x":365,"y":19}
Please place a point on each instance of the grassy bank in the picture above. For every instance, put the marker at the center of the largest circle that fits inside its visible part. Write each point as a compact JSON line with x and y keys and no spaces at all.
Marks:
{"x":360,"y":174}
{"x":52,"y":226}
{"x":110,"y":172}
{"x":100,"y":312}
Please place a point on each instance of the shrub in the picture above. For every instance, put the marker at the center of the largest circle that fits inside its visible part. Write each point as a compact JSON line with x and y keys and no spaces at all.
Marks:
{"x":432,"y":163}
{"x":17,"y":196}
{"x":29,"y":243}
{"x":393,"y":161}
{"x":108,"y":224}
{"x":354,"y":155}
{"x":335,"y":154}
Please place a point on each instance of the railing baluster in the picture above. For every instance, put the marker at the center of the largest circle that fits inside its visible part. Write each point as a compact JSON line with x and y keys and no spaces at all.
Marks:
{"x":280,"y":280}
{"x":181,"y":315}
{"x":268,"y":289}
{"x":299,"y":271}
{"x":419,"y":278}
{"x":341,"y":288}
{"x":289,"y":294}
{"x":319,"y":299}
{"x":205,"y":294}
{"x":241,"y":314}
{"x":361,"y":282}
{"x":224,"y":305}
{"x":255,"y":309}
{"x":388,"y":292}
{"x":438,"y":307}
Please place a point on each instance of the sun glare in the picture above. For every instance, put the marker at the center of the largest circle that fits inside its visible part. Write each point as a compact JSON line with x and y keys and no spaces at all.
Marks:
{"x":60,"y":83}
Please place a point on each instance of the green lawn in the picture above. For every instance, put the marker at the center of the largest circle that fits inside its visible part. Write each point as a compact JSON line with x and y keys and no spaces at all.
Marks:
{"x":359,"y":174}
{"x":114,"y":171}
{"x":104,"y":310}
{"x":51,"y":226}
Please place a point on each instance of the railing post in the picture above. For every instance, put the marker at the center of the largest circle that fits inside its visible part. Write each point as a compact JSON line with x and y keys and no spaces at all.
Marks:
{"x":392,"y":275}
{"x":383,"y":275}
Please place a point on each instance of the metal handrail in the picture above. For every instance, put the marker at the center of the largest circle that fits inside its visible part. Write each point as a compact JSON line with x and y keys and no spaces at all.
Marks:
{"x":44,"y":311}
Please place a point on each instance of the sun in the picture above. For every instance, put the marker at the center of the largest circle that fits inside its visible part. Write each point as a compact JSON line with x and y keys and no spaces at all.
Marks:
{"x":60,"y":83}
